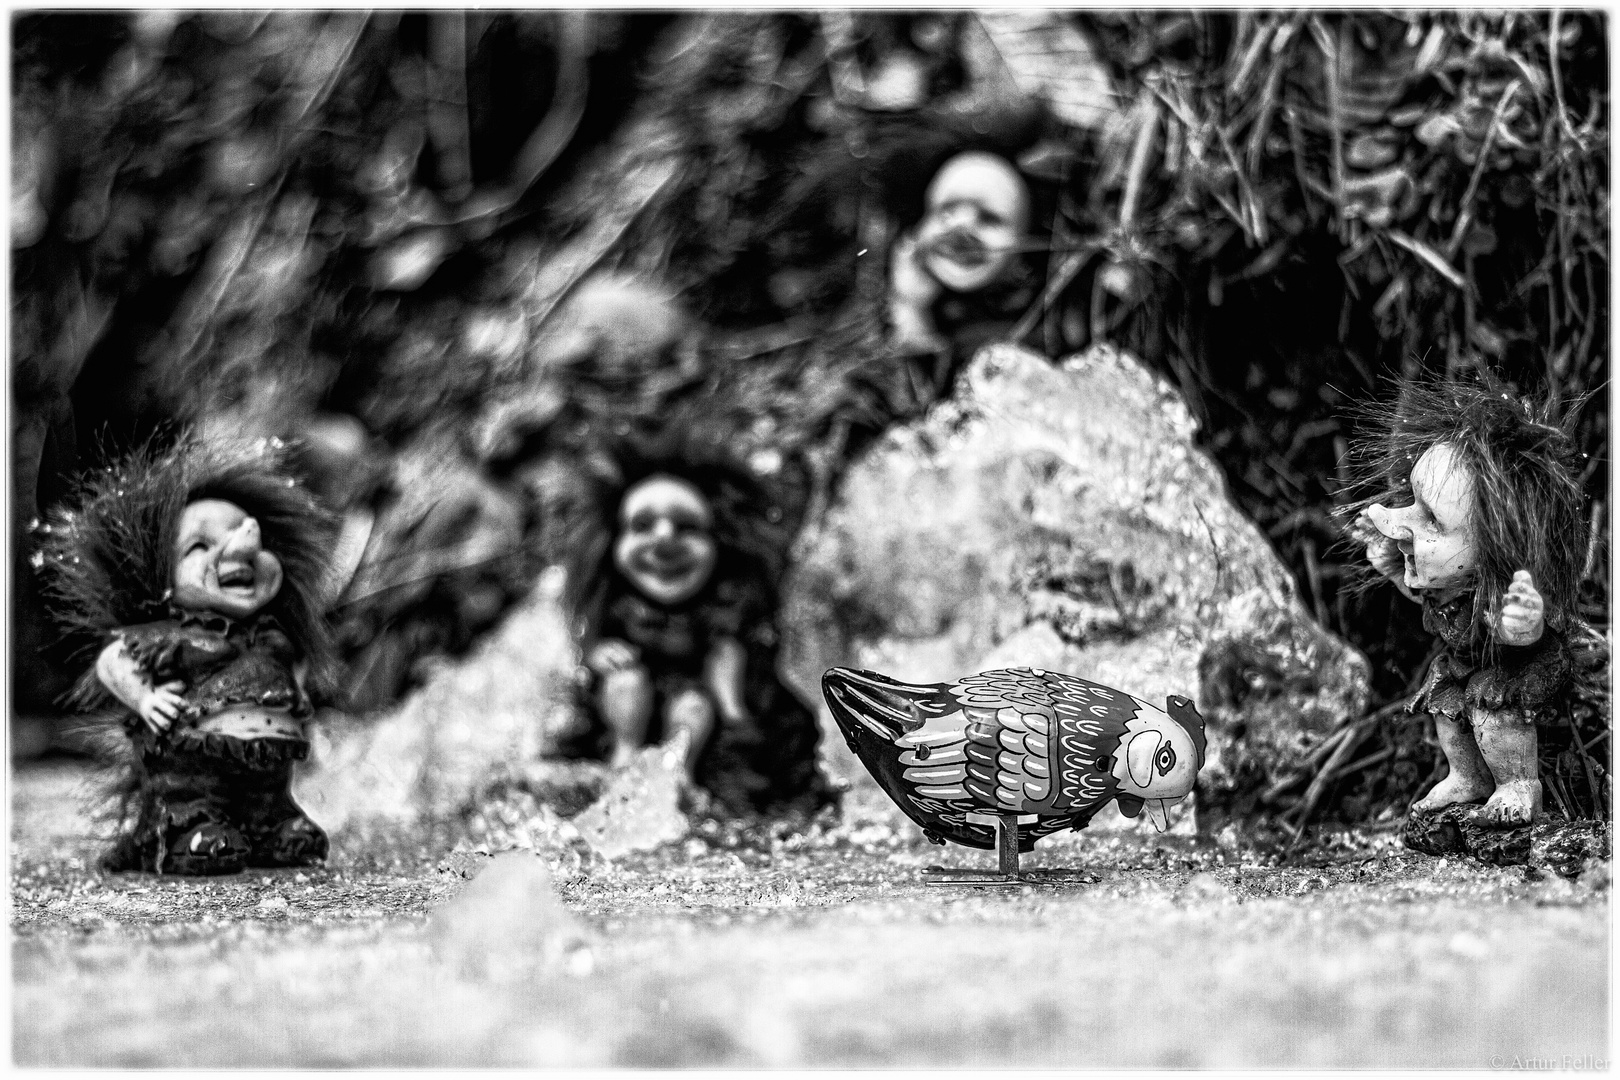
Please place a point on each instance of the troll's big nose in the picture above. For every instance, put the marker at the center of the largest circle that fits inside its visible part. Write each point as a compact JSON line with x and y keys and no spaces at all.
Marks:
{"x":244,"y":543}
{"x":1389,"y":522}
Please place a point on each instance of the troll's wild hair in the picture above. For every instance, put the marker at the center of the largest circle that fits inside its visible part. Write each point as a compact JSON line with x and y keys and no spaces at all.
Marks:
{"x":1527,"y":498}
{"x":108,"y":549}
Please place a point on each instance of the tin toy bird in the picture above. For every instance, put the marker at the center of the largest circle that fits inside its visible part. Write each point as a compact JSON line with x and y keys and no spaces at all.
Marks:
{"x":1003,"y":758}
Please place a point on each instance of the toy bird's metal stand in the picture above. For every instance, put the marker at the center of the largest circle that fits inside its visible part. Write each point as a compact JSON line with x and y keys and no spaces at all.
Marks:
{"x":1007,"y":871}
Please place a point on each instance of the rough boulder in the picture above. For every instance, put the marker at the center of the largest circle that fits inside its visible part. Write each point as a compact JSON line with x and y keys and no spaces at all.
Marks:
{"x":1060,"y":516}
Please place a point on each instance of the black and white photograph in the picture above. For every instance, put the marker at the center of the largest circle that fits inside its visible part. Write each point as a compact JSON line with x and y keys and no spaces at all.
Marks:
{"x":767,"y":538}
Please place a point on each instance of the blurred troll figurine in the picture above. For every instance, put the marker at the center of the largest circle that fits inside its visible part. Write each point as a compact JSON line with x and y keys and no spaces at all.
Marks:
{"x":958,"y":279}
{"x":1475,"y":513}
{"x":676,"y":598}
{"x":969,"y":243}
{"x":196,"y":574}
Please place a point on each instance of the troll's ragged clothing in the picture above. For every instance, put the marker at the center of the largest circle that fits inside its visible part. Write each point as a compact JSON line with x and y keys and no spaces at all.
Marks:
{"x":198,"y":780}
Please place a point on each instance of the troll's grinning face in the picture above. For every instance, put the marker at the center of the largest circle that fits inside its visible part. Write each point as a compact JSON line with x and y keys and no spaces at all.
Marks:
{"x":978,"y":211}
{"x":220,"y":563}
{"x":1435,"y":532}
{"x":666,"y":546}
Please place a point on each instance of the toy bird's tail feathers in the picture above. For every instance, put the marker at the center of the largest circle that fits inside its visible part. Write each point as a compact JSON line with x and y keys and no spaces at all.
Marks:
{"x":885,"y":706}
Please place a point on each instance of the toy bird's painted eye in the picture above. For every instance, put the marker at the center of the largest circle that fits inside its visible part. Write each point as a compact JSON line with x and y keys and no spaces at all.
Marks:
{"x":1165,"y":759}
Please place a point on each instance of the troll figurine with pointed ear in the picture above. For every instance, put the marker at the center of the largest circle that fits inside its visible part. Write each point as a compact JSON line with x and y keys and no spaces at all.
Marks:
{"x":196,"y":576}
{"x":1474,"y":512}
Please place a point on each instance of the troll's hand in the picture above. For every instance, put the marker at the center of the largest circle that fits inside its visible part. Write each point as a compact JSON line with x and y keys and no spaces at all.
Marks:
{"x":1521,"y":620}
{"x":161,"y":705}
{"x":610,"y":655}
{"x":912,"y":289}
{"x":909,"y":280}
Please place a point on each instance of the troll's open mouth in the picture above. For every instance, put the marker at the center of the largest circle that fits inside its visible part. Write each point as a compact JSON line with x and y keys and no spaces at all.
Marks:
{"x":962,"y":248}
{"x":240,"y":576}
{"x":666,"y":563}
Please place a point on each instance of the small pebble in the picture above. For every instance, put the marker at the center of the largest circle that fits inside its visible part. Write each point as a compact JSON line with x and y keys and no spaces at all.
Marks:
{"x":580,"y":962}
{"x":1206,"y":886}
{"x":509,"y":923}
{"x":272,"y":905}
{"x":1598,"y":873}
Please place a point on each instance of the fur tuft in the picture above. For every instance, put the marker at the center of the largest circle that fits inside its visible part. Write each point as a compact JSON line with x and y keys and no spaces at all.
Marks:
{"x":113,"y":785}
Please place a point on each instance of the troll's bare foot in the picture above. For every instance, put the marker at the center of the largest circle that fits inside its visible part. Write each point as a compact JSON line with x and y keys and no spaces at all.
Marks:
{"x":1455,"y":788}
{"x":1516,"y":802}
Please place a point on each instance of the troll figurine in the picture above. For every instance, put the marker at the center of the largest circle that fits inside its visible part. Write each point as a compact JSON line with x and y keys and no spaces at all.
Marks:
{"x":1475,"y":513}
{"x":197,"y":573}
{"x":957,"y":279}
{"x":665,"y":551}
{"x":674,"y":573}
{"x":971,"y":238}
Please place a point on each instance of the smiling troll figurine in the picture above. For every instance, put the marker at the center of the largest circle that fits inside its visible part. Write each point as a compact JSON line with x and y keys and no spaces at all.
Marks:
{"x":1475,"y":513}
{"x":195,"y":575}
{"x":673,"y":574}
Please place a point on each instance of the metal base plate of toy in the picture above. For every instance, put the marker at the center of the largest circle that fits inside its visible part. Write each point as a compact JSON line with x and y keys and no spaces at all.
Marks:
{"x":963,"y":875}
{"x":1006,"y":872}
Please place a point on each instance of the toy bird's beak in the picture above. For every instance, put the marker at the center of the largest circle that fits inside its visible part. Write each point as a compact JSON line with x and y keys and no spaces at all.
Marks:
{"x":1158,"y":812}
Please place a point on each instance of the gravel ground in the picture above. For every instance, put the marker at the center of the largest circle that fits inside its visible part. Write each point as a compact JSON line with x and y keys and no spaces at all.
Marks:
{"x":817,"y":949}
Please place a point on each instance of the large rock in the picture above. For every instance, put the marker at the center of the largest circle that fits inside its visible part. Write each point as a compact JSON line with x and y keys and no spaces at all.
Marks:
{"x":469,"y":752}
{"x":478,"y":721}
{"x":1059,"y":516}
{"x":640,"y":809}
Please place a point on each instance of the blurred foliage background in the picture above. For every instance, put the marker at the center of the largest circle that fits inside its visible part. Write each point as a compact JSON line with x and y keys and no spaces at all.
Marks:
{"x":372,"y":232}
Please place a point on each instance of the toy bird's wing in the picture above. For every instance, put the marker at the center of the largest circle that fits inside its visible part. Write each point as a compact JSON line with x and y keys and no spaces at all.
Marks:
{"x":1046,"y":747}
{"x":1008,"y":758}
{"x":1009,"y":739}
{"x":1023,"y":689}
{"x":986,"y":760}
